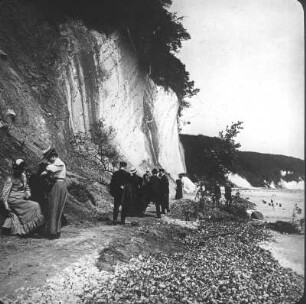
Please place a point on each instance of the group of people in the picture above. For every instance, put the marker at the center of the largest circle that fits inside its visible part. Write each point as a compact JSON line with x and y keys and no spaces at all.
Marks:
{"x":213,"y":189}
{"x":34,"y":202}
{"x":134,"y":193}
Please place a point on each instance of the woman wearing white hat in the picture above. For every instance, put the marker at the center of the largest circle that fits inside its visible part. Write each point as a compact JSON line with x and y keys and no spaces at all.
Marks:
{"x":24,"y":215}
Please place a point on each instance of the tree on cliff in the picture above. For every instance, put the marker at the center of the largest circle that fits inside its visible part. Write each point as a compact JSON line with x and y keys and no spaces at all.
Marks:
{"x":224,"y":158}
{"x":154,"y":33}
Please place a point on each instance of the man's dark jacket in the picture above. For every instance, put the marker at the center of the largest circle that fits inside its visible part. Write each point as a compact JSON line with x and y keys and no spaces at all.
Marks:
{"x":155,"y":188}
{"x":164,"y":185}
{"x":119,"y":178}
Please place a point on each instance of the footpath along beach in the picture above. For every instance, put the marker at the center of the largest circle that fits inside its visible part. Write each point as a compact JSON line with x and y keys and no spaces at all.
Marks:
{"x":151,"y":260}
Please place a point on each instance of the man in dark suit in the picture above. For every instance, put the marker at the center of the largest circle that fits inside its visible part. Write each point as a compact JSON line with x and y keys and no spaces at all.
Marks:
{"x":137,"y":207}
{"x":145,"y":189}
{"x":118,"y":184}
{"x":217,"y":194}
{"x":164,"y":191}
{"x":155,"y":191}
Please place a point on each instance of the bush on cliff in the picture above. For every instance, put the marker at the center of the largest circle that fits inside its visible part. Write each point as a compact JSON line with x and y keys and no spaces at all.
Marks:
{"x":96,"y":149}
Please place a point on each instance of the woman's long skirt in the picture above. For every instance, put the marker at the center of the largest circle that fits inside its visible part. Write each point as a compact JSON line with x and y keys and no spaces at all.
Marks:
{"x":25,"y":218}
{"x":57,"y":198}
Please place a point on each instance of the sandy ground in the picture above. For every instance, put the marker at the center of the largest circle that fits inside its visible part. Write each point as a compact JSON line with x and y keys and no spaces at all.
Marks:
{"x":30,"y":263}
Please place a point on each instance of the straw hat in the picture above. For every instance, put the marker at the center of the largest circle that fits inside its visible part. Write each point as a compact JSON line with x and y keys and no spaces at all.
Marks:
{"x":133,"y":170}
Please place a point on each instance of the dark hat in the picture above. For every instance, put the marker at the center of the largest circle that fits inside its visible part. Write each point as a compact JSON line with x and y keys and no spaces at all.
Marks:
{"x":49,"y":152}
{"x":161,"y":170}
{"x":154,"y":171}
{"x":123,"y":164}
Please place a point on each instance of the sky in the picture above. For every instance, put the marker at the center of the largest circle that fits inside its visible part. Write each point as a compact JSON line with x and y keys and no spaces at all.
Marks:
{"x":247,"y":59}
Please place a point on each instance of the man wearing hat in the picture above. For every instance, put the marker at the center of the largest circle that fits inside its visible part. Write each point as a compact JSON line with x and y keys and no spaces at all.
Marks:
{"x":146,"y":188}
{"x":57,"y":196}
{"x":155,"y":191}
{"x":164,"y":191}
{"x":118,"y":183}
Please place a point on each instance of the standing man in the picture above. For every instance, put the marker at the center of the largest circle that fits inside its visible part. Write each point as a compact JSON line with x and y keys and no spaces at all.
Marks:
{"x":164,"y":191}
{"x":217,"y":194}
{"x":155,"y":191}
{"x":228,"y":194}
{"x":118,"y":184}
{"x":179,"y":188}
{"x":57,"y":195}
{"x":146,"y":188}
{"x":137,"y":202}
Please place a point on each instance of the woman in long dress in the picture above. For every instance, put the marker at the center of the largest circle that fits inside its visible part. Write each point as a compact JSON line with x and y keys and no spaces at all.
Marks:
{"x":58,"y":194}
{"x":25,"y":216}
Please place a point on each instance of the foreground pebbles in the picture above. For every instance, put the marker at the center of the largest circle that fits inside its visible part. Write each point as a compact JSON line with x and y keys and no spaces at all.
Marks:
{"x":221,"y":263}
{"x":215,"y":269}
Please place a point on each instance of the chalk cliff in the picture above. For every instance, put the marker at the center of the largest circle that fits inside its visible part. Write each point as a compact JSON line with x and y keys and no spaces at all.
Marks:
{"x":58,"y":81}
{"x":102,"y":80}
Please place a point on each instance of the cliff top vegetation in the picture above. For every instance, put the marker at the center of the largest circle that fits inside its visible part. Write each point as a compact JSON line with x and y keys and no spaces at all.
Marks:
{"x":155,"y":34}
{"x":253,"y":166}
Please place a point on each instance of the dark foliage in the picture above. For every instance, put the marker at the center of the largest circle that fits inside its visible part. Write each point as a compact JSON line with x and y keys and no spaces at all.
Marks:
{"x":286,"y":227}
{"x":255,"y":167}
{"x":96,"y":149}
{"x":154,"y":33}
{"x":80,"y":193}
{"x":224,"y":156}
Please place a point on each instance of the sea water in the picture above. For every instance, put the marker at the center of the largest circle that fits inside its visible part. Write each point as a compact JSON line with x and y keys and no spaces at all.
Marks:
{"x":288,"y":249}
{"x":284,"y":201}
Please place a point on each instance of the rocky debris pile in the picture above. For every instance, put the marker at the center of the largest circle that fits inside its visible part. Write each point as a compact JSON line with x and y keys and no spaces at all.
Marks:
{"x":220,"y":263}
{"x":230,"y":269}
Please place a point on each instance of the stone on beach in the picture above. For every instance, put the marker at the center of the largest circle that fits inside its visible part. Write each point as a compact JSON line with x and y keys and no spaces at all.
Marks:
{"x":256,"y":215}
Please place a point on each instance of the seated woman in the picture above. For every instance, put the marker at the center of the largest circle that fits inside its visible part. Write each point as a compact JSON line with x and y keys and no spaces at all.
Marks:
{"x":25,"y":216}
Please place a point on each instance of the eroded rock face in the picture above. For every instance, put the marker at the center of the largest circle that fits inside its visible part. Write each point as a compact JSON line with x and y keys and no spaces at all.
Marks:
{"x":101,"y":80}
{"x":58,"y":81}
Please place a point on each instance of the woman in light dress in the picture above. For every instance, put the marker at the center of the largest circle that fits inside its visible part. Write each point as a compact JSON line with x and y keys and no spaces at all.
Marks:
{"x":25,"y":216}
{"x":57,"y":196}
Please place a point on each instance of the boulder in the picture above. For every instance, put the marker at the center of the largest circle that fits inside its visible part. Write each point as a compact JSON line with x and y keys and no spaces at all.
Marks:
{"x":256,"y":215}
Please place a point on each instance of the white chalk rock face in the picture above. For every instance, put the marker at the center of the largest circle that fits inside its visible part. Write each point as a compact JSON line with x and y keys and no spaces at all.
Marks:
{"x":293,"y":185}
{"x":102,"y":80}
{"x":239,"y":181}
{"x":188,"y":186}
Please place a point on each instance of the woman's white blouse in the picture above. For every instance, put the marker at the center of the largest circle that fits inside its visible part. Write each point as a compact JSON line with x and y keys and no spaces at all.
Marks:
{"x":58,"y":168}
